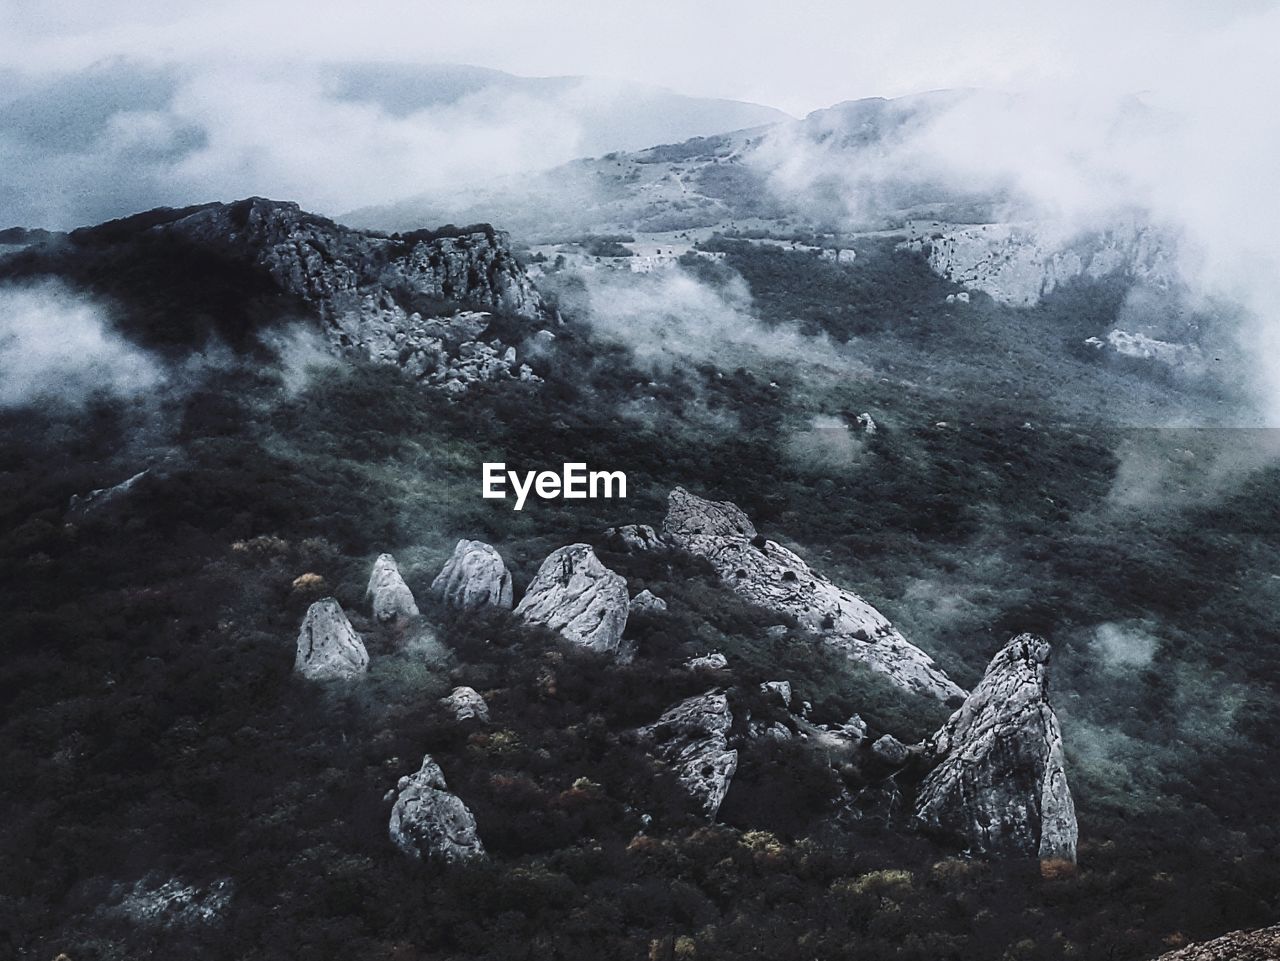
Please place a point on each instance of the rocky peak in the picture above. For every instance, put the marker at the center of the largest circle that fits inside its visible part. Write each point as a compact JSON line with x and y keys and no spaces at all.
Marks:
{"x":387,"y":591}
{"x":328,"y":646}
{"x":474,"y":576}
{"x":428,"y":821}
{"x":579,"y":598}
{"x":769,"y":575}
{"x":1000,"y":785}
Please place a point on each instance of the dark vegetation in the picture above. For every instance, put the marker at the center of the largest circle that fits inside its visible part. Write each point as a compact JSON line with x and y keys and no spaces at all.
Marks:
{"x":152,"y":727}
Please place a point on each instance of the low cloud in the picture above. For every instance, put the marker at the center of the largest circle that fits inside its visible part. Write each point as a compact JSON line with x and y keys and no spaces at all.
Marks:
{"x":55,"y":346}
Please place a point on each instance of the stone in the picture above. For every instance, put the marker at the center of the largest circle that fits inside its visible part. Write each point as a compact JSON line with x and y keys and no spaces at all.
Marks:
{"x":474,"y":577}
{"x":465,"y":703}
{"x":173,"y":903}
{"x":692,"y":737}
{"x":890,"y":750}
{"x":328,"y":646}
{"x":1260,"y":945}
{"x":867,"y":424}
{"x":82,"y":504}
{"x":632,"y":538}
{"x":774,"y":578}
{"x":1000,"y":784}
{"x":579,"y":598}
{"x":428,"y":821}
{"x":714,"y":661}
{"x":781,"y":689}
{"x":387,"y":592}
{"x":647,"y":603}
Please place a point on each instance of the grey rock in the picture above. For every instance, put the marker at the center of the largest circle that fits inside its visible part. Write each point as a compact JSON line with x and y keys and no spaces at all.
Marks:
{"x":428,"y":821}
{"x":173,"y":903}
{"x":780,"y":688}
{"x":1000,"y":784}
{"x":1260,"y":945}
{"x":772,"y":577}
{"x":466,"y":703}
{"x":633,"y":538}
{"x":328,"y":646}
{"x":579,"y":598}
{"x":692,"y":737}
{"x":473,"y":577}
{"x":714,"y":661}
{"x":387,"y":592}
{"x":82,"y":504}
{"x":647,"y":602}
{"x":890,"y":750}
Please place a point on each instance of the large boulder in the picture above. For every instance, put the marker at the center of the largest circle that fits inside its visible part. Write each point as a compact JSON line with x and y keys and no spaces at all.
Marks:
{"x":428,"y":821}
{"x":1000,"y":785}
{"x":772,"y":577}
{"x":328,"y":646}
{"x":1260,"y":945}
{"x":465,"y":703}
{"x":388,"y":594}
{"x":692,"y":737}
{"x":474,"y":577}
{"x":579,"y":598}
{"x":647,"y":602}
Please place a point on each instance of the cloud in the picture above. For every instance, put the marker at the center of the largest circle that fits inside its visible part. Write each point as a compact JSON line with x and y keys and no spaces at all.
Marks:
{"x":56,"y":346}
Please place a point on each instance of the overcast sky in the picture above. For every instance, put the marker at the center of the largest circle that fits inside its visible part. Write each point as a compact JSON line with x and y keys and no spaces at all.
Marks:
{"x":797,"y":55}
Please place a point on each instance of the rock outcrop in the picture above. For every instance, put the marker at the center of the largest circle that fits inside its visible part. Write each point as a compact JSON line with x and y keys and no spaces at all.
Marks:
{"x":633,"y":538}
{"x":465,"y":703}
{"x":1260,"y":945}
{"x":1000,"y":785}
{"x":328,"y":646}
{"x":715,"y":661}
{"x":774,"y":578}
{"x":474,"y":577}
{"x":579,"y":598}
{"x":692,"y":737}
{"x":387,"y":592}
{"x":646,"y":602}
{"x":428,"y":821}
{"x":82,"y":504}
{"x":393,"y":299}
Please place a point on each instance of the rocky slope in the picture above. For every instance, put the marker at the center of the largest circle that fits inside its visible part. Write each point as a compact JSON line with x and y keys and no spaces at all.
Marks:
{"x":769,"y":575}
{"x":1260,"y":945}
{"x":1000,"y":785}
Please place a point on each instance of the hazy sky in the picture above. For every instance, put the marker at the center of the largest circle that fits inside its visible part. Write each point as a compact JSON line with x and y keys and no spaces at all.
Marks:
{"x":797,"y":55}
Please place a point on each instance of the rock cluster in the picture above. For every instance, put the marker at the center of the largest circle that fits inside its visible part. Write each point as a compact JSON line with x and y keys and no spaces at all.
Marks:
{"x":428,"y":821}
{"x":579,"y":598}
{"x":1000,"y":785}
{"x":774,"y":578}
{"x":387,"y":592}
{"x":473,"y":577}
{"x":692,"y":737}
{"x":1260,"y":945}
{"x":328,"y":646}
{"x":392,"y":299}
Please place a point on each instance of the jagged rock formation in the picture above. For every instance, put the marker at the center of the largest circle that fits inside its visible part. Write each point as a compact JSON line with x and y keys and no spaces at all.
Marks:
{"x":633,"y":538}
{"x":328,"y":646}
{"x":1000,"y":785}
{"x":387,"y":592}
{"x":1260,"y":945}
{"x":474,"y":577}
{"x":578,"y":597}
{"x":1017,"y":264}
{"x":466,"y":703}
{"x":81,"y":504}
{"x":393,"y":299}
{"x":692,"y":737}
{"x":427,"y":821}
{"x":646,"y":602}
{"x":774,"y":578}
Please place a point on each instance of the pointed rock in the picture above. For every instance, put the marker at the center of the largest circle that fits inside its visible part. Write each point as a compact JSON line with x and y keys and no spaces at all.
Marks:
{"x":692,"y":737}
{"x":389,"y":594}
{"x":466,"y":703}
{"x":474,"y":577}
{"x":646,"y":602}
{"x":578,"y":597}
{"x":1000,"y":785}
{"x":328,"y":646}
{"x":772,"y":577}
{"x":427,"y":821}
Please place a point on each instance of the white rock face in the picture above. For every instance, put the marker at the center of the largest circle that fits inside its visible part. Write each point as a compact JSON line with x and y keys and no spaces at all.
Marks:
{"x":633,"y":538}
{"x":466,"y":703}
{"x":774,"y":578}
{"x":692,"y":737}
{"x":1000,"y":785}
{"x":387,"y":592}
{"x":646,"y":602}
{"x":427,"y":821}
{"x":328,"y":646}
{"x":474,"y":577}
{"x":579,"y":598}
{"x":1017,"y":264}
